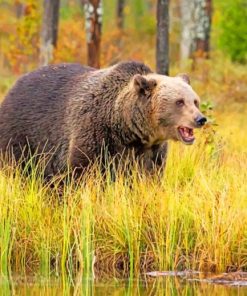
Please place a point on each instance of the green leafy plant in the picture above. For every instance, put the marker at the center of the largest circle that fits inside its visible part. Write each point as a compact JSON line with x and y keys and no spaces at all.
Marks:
{"x":233,"y":35}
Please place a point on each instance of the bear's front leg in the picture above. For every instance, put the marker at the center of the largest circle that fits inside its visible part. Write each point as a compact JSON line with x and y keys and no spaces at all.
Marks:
{"x":154,"y":160}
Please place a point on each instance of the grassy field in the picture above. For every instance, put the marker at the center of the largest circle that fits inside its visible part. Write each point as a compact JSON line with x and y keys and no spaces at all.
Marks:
{"x":194,"y":218}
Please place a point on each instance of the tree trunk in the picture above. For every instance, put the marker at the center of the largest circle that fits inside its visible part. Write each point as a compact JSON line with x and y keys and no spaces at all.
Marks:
{"x":19,"y":8}
{"x":162,"y":40}
{"x":93,"y":16}
{"x":120,"y":14}
{"x":49,"y":30}
{"x":203,"y":12}
{"x":187,"y":9}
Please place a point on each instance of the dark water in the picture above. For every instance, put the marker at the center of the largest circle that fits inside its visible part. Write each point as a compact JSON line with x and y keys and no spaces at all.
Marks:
{"x":149,"y":286}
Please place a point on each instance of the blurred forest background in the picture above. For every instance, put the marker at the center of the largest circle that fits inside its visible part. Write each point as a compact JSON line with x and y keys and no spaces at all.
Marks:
{"x":128,"y":31}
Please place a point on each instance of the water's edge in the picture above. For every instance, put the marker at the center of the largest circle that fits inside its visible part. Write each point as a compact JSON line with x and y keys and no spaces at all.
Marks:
{"x":155,"y":283}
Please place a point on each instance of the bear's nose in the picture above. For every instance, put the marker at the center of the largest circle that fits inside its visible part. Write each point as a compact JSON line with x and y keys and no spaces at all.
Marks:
{"x":201,"y":120}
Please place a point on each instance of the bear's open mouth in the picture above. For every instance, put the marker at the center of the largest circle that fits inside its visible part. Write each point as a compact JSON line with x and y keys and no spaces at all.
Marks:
{"x":186,"y":134}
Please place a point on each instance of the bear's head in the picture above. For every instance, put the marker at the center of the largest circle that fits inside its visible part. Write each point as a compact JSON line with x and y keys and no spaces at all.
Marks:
{"x":173,"y":106}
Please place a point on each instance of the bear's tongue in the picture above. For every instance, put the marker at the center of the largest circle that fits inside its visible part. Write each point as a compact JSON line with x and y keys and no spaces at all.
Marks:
{"x":186,"y":134}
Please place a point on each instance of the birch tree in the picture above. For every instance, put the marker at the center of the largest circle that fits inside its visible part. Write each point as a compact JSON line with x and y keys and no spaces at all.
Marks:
{"x":196,"y":28}
{"x":49,"y":30}
{"x":203,"y":11}
{"x":93,"y":16}
{"x":187,"y":9}
{"x":162,"y":38}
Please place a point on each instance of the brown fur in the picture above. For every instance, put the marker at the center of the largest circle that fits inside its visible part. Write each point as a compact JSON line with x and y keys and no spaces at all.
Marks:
{"x":76,"y":113}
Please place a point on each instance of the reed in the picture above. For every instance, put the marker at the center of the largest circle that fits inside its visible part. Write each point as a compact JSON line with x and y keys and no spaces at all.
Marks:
{"x":194,"y":217}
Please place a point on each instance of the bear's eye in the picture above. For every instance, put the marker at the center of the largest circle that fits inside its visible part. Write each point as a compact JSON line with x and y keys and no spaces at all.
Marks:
{"x":180,"y":102}
{"x":196,"y":103}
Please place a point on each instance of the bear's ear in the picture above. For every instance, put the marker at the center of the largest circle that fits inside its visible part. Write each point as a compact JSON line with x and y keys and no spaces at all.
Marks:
{"x":185,"y":77}
{"x":142,"y":85}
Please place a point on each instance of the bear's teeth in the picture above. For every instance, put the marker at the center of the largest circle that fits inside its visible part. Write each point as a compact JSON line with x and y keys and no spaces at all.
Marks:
{"x":186,"y":133}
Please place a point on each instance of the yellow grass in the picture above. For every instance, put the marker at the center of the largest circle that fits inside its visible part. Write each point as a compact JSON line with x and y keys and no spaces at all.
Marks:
{"x":195,"y":217}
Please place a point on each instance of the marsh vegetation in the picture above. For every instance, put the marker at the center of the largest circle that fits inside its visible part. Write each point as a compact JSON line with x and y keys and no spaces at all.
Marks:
{"x":193,"y":218}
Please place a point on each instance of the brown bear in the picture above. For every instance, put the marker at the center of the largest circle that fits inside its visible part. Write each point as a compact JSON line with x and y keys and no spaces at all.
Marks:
{"x":75,"y":114}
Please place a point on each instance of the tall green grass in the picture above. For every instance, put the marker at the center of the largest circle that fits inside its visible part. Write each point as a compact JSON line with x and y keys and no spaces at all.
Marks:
{"x":194,"y":217}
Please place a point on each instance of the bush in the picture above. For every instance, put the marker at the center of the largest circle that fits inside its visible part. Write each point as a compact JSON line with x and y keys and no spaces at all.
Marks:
{"x":233,"y":37}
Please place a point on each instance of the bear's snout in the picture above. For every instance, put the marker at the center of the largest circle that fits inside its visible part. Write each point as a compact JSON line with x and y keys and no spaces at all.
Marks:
{"x":200,"y":120}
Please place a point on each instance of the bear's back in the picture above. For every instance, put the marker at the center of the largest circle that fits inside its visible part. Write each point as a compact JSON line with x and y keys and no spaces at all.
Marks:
{"x":43,"y":84}
{"x":36,"y":104}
